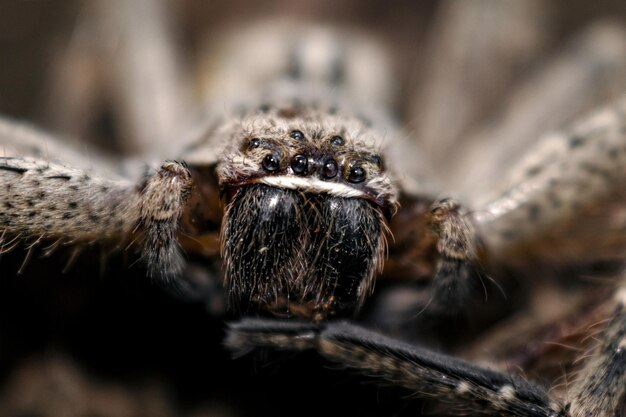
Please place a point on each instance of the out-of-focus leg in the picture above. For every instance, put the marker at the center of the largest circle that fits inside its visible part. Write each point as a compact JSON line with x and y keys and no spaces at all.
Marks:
{"x":588,"y":73}
{"x":568,"y":184}
{"x":125,"y":55}
{"x":476,"y":51}
{"x":598,"y":388}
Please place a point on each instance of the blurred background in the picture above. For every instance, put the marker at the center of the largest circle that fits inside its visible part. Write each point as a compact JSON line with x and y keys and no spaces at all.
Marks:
{"x":478,"y":80}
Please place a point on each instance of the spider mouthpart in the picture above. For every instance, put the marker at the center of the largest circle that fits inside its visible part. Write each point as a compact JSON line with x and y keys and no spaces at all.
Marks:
{"x":356,"y":174}
{"x":330,"y":168}
{"x":271,"y":162}
{"x":299,"y":164}
{"x":294,"y":253}
{"x":336,"y":140}
{"x":296,"y":134}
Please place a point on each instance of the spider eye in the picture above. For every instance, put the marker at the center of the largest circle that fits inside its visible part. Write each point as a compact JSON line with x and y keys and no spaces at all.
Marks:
{"x":357,"y":174}
{"x":336,"y":140}
{"x":299,"y":164}
{"x":271,"y":162}
{"x":254,"y":143}
{"x":378,"y":161}
{"x":330,"y":168}
{"x":296,"y":134}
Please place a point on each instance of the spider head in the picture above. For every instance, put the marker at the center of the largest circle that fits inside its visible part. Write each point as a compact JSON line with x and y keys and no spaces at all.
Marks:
{"x":308,"y":200}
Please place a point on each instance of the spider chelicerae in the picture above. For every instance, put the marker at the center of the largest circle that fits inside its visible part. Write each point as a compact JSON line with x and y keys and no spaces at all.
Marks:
{"x":317,"y":190}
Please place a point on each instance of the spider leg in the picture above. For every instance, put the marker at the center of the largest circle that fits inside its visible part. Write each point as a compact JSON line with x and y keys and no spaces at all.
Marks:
{"x":426,"y":373}
{"x":125,"y":56}
{"x":471,"y":35}
{"x":21,"y":139}
{"x":564,"y":88}
{"x":576,"y":173}
{"x":46,"y":199}
{"x":599,"y":387}
{"x":456,"y":246}
{"x":434,"y":241}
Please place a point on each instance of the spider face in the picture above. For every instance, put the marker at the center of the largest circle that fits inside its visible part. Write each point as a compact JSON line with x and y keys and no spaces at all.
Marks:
{"x":308,"y":199}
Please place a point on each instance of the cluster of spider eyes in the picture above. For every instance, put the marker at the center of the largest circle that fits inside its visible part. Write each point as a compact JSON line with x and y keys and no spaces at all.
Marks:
{"x":329,"y":167}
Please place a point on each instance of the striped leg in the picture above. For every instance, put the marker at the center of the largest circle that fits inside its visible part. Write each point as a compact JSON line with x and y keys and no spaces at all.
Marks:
{"x":428,"y":374}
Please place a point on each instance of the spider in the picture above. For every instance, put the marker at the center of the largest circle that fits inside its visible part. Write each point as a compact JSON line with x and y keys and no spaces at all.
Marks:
{"x":302,"y":187}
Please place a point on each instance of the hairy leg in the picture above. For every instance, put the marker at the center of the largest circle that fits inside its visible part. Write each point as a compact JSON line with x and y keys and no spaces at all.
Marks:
{"x":464,"y":386}
{"x":46,"y":200}
{"x":456,"y":246}
{"x":598,"y":388}
{"x":575,"y":174}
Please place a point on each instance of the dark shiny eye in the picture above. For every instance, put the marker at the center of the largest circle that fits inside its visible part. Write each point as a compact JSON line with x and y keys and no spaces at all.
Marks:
{"x":296,"y":134}
{"x":378,"y":161}
{"x":356,"y":174}
{"x":254,"y":143}
{"x":271,"y":162}
{"x":299,"y":164}
{"x":336,"y":140}
{"x":330,"y":168}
